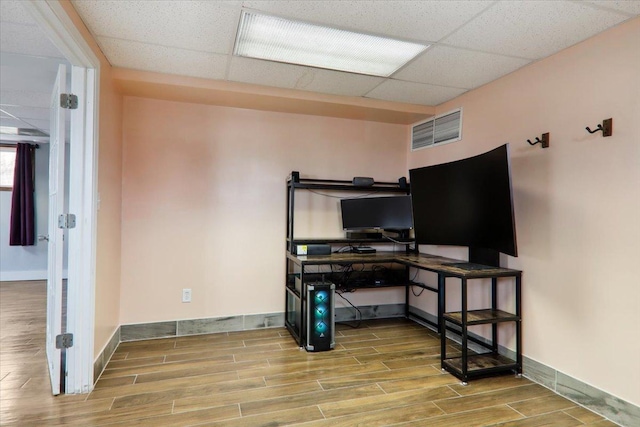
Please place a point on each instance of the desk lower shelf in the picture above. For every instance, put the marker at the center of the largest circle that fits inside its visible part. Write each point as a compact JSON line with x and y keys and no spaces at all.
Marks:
{"x":481,"y":317}
{"x":479,"y":365}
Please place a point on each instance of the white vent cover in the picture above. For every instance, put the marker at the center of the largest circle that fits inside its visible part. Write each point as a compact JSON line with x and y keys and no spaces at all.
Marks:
{"x":439,"y":130}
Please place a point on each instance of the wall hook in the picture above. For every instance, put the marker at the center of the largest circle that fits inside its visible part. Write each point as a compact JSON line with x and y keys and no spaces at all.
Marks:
{"x":544,"y":141}
{"x":606,"y":127}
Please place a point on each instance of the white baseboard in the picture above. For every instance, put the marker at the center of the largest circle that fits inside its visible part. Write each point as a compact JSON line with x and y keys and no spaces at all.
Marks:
{"x":18,"y":276}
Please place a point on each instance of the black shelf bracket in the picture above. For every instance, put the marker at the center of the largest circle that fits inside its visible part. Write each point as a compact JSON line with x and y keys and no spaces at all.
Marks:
{"x":606,"y":127}
{"x":544,"y":141}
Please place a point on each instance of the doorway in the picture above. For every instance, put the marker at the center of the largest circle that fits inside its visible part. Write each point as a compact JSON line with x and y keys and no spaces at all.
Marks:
{"x":59,"y":31}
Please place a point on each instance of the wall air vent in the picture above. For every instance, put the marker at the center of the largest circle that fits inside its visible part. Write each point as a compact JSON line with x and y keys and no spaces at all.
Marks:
{"x":439,"y":130}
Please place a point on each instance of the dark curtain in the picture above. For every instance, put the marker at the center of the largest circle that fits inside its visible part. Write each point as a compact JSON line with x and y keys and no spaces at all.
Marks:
{"x":22,"y":231}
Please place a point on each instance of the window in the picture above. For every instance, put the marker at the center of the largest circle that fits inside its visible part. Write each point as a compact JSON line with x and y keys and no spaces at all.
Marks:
{"x":7,"y":165}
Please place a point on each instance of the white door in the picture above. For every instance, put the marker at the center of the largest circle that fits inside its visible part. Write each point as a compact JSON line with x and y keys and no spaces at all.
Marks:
{"x":56,"y":207}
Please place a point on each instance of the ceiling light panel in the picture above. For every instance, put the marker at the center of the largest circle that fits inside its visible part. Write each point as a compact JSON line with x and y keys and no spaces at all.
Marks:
{"x":282,"y":40}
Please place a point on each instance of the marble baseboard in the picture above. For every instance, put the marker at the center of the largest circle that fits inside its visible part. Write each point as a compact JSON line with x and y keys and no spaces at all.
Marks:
{"x":176,"y":328}
{"x":106,"y":353}
{"x":383,"y":311}
{"x":145,"y":331}
{"x":604,"y":404}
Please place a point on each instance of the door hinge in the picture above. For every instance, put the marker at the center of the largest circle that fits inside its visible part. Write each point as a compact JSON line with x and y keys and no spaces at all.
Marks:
{"x":68,"y":101}
{"x":64,"y":340}
{"x":67,"y":221}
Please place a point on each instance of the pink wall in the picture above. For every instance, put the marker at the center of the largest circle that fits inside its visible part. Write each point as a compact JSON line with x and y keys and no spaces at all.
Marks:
{"x":204,"y":200}
{"x":577,"y":203}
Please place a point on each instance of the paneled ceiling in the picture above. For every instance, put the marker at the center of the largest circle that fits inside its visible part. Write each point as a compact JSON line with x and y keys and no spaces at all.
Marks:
{"x":28,"y":67}
{"x":472,"y":43}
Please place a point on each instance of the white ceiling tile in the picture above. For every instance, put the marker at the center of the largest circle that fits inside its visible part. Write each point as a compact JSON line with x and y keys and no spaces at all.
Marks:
{"x":418,"y":20}
{"x":22,"y":72}
{"x":533,"y":29}
{"x":13,"y":11}
{"x":30,"y":124}
{"x":27,"y":40}
{"x":28,"y":113}
{"x":629,"y":6}
{"x":414,"y":93}
{"x":266,"y":73}
{"x":25,"y":98}
{"x":448,"y":66}
{"x":207,"y":26}
{"x":162,"y":59}
{"x":337,"y":83}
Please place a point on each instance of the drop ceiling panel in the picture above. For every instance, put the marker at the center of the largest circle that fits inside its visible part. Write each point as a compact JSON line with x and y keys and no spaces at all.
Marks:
{"x":533,"y":29}
{"x":632,"y":7}
{"x":24,"y":98}
{"x":414,"y":93}
{"x":267,"y":73}
{"x":12,"y":11}
{"x":26,"y":40}
{"x":206,"y":26}
{"x":447,"y":66}
{"x":27,"y":113}
{"x":162,"y":59}
{"x":337,"y":83}
{"x":417,"y":20}
{"x":42,"y":125}
{"x":28,"y":72}
{"x":289,"y":76}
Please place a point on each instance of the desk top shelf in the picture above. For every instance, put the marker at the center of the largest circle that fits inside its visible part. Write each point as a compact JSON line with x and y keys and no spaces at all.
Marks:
{"x":441,"y":265}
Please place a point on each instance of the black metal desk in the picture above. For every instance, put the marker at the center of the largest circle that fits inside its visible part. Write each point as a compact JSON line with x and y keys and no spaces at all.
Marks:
{"x":466,"y":365}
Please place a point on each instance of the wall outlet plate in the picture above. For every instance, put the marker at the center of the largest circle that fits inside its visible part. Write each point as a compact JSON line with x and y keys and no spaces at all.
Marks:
{"x":186,"y":295}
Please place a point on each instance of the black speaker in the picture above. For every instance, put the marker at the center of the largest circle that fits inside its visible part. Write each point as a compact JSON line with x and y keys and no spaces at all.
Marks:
{"x":402,"y":183}
{"x":295,"y":176}
{"x":362,"y":181}
{"x":320,"y":316}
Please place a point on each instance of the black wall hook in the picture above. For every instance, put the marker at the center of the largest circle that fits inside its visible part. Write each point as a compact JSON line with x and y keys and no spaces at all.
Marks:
{"x":544,"y":141}
{"x":606,"y":127}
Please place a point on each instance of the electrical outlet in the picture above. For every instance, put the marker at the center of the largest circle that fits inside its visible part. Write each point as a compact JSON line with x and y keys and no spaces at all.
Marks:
{"x":186,"y":295}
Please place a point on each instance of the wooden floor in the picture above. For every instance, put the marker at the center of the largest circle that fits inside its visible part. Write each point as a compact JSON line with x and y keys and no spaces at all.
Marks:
{"x":383,"y":373}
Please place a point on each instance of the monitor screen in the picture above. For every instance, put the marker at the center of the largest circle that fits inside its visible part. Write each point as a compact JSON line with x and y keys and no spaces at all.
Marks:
{"x":390,"y":213}
{"x":466,"y":203}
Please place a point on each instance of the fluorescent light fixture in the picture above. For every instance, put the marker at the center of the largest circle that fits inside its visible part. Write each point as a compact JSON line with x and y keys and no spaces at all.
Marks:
{"x":283,"y":40}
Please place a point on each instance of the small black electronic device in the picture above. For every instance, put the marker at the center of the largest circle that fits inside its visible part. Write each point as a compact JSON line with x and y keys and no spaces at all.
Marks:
{"x":362,"y":181}
{"x":364,"y":250}
{"x":317,"y":249}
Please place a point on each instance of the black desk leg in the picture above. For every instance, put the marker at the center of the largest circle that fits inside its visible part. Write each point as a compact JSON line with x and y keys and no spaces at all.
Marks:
{"x":441,"y":323}
{"x":494,"y":307}
{"x":465,"y":347}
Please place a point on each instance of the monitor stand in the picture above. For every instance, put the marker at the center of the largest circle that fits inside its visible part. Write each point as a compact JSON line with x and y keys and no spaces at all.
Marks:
{"x":403,"y":234}
{"x":484,"y":256}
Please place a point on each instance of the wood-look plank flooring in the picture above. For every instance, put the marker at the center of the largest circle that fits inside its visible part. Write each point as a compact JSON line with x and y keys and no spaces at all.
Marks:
{"x":384,"y":373}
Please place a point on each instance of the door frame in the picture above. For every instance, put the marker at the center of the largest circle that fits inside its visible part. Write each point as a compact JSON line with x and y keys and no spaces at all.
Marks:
{"x":83,"y":188}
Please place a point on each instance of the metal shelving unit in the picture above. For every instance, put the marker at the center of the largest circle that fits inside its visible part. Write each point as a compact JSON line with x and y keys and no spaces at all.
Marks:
{"x":296,"y":276}
{"x":471,"y":365}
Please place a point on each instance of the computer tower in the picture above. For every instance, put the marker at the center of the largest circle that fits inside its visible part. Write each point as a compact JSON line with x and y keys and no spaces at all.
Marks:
{"x":320,"y":316}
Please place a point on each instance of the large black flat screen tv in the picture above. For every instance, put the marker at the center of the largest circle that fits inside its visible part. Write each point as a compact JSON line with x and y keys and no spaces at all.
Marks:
{"x":385,"y":213}
{"x":467,"y":202}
